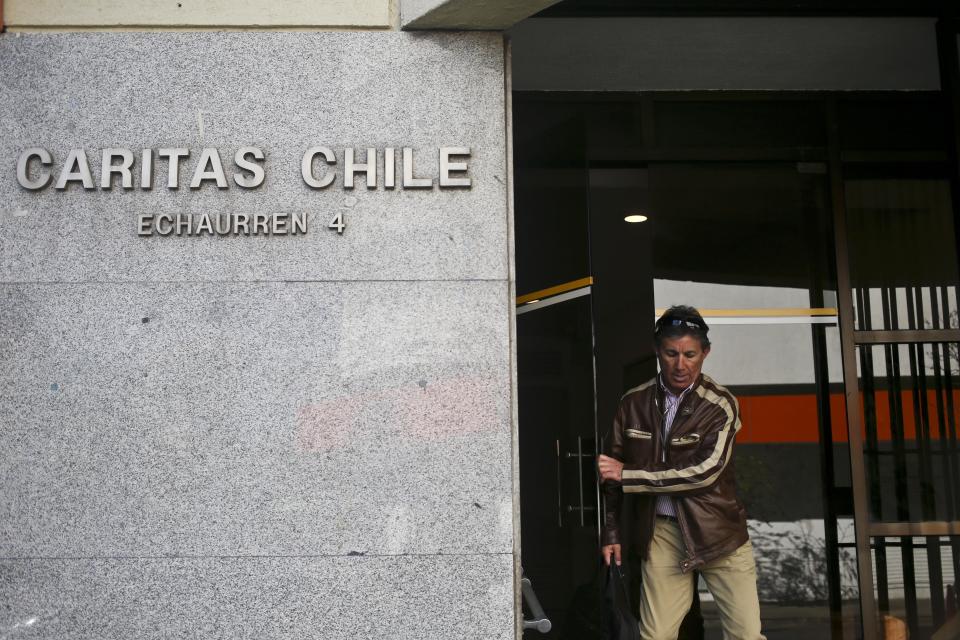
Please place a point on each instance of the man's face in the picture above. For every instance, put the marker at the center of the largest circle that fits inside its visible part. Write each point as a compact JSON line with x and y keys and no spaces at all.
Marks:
{"x":681,"y":360}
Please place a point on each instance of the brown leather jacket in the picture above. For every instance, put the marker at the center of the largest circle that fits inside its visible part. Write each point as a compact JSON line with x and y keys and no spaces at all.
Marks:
{"x":697,"y":471}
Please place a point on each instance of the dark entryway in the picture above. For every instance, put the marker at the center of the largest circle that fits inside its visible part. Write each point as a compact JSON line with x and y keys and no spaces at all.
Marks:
{"x":743,"y":194}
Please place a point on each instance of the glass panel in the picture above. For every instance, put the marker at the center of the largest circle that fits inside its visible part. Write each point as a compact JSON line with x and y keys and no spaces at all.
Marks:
{"x":550,"y":195}
{"x":741,"y":240}
{"x":739,"y":124}
{"x":911,"y":398}
{"x":740,"y":236}
{"x":893,"y":123}
{"x":911,"y":580}
{"x":903,"y":258}
{"x":613,"y":125}
{"x":807,"y":583}
{"x":558,"y":492}
{"x":620,"y":263}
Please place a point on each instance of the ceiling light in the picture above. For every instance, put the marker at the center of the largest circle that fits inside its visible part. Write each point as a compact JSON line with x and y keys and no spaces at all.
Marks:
{"x":635,"y":217}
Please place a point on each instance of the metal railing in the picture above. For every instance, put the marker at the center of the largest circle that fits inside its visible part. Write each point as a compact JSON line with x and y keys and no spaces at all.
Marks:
{"x":539,"y":621}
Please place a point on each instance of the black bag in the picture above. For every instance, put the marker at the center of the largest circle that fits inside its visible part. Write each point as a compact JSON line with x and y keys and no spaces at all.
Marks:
{"x":621,"y":623}
{"x":601,"y":609}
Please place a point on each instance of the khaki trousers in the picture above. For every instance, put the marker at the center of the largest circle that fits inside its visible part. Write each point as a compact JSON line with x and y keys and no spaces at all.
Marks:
{"x":667,"y":593}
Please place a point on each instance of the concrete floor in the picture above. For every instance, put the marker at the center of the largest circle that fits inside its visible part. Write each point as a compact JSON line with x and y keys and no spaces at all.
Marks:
{"x":785,"y":622}
{"x":788,"y":622}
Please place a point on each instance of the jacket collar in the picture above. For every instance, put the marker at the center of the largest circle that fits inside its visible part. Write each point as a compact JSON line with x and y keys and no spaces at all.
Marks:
{"x":661,"y":393}
{"x":663,"y":390}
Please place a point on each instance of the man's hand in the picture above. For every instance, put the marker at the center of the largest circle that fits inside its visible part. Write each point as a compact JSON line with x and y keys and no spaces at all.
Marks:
{"x":609,"y":550}
{"x":610,"y":469}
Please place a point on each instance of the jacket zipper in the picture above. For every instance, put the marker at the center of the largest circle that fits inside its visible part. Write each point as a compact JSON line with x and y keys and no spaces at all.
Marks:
{"x":686,"y":564}
{"x":657,"y":450}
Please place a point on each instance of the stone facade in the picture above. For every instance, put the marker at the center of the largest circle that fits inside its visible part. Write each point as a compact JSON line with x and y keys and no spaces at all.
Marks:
{"x":268,"y":436}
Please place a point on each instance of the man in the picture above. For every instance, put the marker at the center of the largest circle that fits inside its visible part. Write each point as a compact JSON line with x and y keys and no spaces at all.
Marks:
{"x":671,"y":450}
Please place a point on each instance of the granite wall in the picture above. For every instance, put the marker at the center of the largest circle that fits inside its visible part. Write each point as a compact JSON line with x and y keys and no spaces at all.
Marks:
{"x":286,"y":436}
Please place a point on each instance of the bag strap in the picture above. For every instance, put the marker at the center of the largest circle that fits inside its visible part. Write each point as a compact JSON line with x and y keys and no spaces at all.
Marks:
{"x":622,"y":581}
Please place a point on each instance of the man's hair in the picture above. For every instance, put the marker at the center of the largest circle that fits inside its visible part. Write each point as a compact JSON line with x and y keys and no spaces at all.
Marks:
{"x":678,"y":321}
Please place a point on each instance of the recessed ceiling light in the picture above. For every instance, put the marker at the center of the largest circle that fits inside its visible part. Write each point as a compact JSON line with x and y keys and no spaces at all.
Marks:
{"x":636,"y":217}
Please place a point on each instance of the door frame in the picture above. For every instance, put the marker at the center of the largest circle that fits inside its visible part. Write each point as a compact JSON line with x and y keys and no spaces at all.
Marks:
{"x":851,"y":338}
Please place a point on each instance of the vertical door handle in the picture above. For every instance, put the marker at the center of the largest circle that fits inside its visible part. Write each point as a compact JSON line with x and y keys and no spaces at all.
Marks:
{"x":559,"y":489}
{"x":579,"y":456}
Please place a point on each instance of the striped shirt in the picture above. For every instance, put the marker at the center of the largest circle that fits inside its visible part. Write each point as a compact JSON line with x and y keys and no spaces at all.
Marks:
{"x":665,"y":506}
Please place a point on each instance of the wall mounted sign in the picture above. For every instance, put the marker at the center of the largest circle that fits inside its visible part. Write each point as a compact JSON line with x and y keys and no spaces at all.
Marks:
{"x":320,"y":168}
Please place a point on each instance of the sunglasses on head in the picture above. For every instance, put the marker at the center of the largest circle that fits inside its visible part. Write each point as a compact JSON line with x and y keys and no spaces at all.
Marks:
{"x":690,"y":322}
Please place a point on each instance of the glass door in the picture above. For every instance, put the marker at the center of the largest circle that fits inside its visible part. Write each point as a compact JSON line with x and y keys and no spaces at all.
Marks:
{"x":555,"y":362}
{"x":897,"y":264}
{"x":749,"y":244}
{"x":558,"y":488}
{"x":816,"y":232}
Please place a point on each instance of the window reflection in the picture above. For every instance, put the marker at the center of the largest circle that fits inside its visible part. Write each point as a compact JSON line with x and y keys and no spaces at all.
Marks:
{"x":903,"y":263}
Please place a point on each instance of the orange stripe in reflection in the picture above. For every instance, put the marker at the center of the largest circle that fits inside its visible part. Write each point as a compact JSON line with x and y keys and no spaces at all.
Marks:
{"x":793,"y":418}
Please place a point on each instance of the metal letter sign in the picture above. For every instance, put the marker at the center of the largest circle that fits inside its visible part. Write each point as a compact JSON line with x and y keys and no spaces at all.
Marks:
{"x":320,"y":168}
